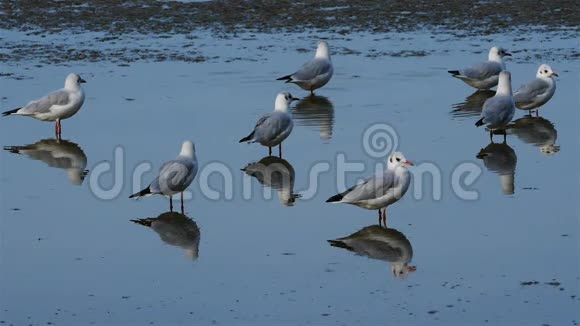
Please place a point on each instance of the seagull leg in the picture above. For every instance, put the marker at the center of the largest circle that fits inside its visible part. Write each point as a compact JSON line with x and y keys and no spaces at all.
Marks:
{"x":170,"y":203}
{"x":385,"y":217}
{"x":537,"y":112}
{"x":182,"y":210}
{"x":280,"y":150}
{"x":491,"y":135}
{"x":504,"y":136}
{"x":269,"y":151}
{"x":380,"y":217}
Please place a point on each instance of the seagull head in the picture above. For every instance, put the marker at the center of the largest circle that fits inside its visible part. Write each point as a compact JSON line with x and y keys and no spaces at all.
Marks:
{"x":545,"y":72}
{"x":283,"y":101}
{"x":322,"y":51}
{"x":496,"y":53}
{"x":73,"y":81}
{"x":187,"y":149}
{"x":397,"y":159}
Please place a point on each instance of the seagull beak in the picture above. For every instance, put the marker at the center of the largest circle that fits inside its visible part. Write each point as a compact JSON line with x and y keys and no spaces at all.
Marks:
{"x":409,"y":163}
{"x":82,"y":81}
{"x":507,"y":54}
{"x":554,"y":74}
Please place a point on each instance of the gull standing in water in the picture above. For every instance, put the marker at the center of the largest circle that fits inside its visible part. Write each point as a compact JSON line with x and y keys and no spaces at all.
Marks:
{"x":381,"y":190}
{"x":483,"y":75}
{"x":273,"y":128}
{"x":56,"y":106}
{"x":499,"y":110}
{"x":314,"y":73}
{"x":537,"y":92}
{"x":174,"y":176}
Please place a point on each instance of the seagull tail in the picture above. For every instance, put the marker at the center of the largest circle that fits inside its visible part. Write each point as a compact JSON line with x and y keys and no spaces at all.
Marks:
{"x":454,"y":72}
{"x":479,"y":123}
{"x":144,"y":192}
{"x":12,"y":149}
{"x":10,"y":112}
{"x":335,"y":198}
{"x":339,"y":244}
{"x":143,"y":221}
{"x":287,"y":78}
{"x":247,"y":138}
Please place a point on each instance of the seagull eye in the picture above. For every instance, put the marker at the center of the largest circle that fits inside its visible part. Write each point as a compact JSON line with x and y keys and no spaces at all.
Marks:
{"x":398,"y":159}
{"x":545,"y":71}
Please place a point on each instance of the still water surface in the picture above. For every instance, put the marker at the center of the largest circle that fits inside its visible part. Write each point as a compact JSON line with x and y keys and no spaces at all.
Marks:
{"x":69,"y":257}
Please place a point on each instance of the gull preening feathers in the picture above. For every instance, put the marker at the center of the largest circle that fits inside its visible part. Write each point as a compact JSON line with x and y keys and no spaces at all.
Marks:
{"x":381,"y":190}
{"x":174,"y":176}
{"x":315,"y":73}
{"x":56,"y":106}
{"x":483,"y":75}
{"x":536,"y":92}
{"x":499,"y":110}
{"x":273,"y":128}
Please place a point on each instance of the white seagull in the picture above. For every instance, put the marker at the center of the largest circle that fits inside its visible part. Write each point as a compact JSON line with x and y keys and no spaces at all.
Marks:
{"x":314,"y":73}
{"x":273,"y":128}
{"x":483,"y":75}
{"x":381,"y":190}
{"x":499,"y":110}
{"x":174,"y":176}
{"x":538,"y":91}
{"x":56,"y":106}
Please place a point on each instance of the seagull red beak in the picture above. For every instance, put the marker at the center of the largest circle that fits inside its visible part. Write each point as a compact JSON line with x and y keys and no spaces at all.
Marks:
{"x":554,"y":74}
{"x":409,"y":163}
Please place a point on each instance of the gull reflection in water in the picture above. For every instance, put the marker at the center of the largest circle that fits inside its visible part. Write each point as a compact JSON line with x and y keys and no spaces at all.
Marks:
{"x":61,"y":154}
{"x":276,"y":173}
{"x":537,"y":131}
{"x":377,"y":242}
{"x":501,"y":159}
{"x":472,"y":105}
{"x":177,"y":230}
{"x":316,"y":112}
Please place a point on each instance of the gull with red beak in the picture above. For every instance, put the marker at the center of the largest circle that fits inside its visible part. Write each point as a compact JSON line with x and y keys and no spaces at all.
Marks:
{"x":537,"y":92}
{"x":381,"y":190}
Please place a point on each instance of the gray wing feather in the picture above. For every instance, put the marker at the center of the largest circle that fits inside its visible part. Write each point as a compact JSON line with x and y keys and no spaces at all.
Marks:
{"x":527,"y":92}
{"x":272,"y":125}
{"x":43,"y":105}
{"x":175,"y":175}
{"x":496,"y":109}
{"x":482,"y":70}
{"x":311,"y":69}
{"x":373,"y":187}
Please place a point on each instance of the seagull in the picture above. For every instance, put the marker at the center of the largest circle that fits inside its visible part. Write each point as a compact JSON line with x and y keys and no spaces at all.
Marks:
{"x":57,"y":153}
{"x":177,"y":230}
{"x":499,"y":110}
{"x":381,"y":190}
{"x":276,"y":173}
{"x":380,"y":243}
{"x":314,"y":73}
{"x":174,"y":176}
{"x":273,"y":128}
{"x":483,"y":75}
{"x":537,"y":92}
{"x":56,"y":106}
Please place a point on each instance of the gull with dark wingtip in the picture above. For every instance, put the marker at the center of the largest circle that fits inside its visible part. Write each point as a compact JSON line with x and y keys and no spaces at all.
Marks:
{"x":56,"y":106}
{"x":273,"y":128}
{"x":484,"y":75}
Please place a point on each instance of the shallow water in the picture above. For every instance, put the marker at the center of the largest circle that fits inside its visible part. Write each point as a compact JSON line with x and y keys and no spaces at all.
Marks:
{"x":70,"y":257}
